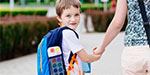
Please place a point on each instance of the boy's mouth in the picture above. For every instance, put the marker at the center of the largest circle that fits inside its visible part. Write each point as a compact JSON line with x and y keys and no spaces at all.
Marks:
{"x":73,"y":23}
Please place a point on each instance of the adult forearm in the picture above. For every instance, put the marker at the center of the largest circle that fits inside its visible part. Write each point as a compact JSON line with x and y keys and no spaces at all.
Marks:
{"x":111,"y":33}
{"x":116,"y":24}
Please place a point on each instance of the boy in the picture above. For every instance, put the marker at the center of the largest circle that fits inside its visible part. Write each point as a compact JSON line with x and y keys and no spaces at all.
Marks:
{"x":68,"y":14}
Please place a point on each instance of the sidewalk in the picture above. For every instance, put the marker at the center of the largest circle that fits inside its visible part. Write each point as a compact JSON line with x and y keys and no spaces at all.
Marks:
{"x":109,"y":64}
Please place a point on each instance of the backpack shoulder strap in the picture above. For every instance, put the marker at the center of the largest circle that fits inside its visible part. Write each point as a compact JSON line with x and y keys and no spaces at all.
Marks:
{"x":63,"y":28}
{"x":145,"y":19}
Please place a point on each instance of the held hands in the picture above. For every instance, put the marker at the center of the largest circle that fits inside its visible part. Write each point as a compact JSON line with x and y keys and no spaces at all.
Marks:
{"x":98,"y":51}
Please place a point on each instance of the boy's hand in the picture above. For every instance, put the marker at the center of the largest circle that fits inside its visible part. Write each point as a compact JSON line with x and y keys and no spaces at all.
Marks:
{"x":98,"y":51}
{"x":98,"y":56}
{"x":94,"y":50}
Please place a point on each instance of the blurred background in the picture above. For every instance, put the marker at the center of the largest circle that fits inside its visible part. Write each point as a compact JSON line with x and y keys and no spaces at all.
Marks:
{"x":24,"y":22}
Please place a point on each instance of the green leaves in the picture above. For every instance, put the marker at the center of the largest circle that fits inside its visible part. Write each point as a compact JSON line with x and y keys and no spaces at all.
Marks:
{"x":20,"y":39}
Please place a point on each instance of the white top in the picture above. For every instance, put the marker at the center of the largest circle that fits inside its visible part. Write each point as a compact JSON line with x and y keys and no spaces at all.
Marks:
{"x":70,"y":42}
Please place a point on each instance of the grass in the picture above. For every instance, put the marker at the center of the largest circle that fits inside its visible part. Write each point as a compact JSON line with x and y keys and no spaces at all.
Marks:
{"x":92,"y":5}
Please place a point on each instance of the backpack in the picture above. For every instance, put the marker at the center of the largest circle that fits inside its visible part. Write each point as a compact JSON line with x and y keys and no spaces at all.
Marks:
{"x":50,"y":54}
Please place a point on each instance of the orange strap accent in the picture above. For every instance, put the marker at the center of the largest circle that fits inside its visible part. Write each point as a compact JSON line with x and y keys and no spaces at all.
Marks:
{"x":41,"y":56}
{"x":60,"y":24}
{"x":78,"y":66}
{"x":71,"y":66}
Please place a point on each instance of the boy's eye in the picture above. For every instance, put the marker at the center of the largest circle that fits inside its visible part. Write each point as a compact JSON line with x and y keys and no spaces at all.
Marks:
{"x":76,"y":14}
{"x":68,"y":16}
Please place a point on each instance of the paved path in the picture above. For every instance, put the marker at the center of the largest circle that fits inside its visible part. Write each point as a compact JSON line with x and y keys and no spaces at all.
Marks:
{"x":109,"y":64}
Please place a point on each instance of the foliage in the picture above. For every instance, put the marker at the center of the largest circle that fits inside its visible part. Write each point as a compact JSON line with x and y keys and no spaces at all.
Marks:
{"x":16,"y":12}
{"x":19,"y":39}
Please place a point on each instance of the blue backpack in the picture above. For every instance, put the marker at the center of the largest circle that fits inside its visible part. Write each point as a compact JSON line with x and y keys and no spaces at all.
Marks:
{"x":50,"y":54}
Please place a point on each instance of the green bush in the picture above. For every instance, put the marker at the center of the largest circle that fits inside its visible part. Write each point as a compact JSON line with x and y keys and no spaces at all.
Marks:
{"x":41,"y":12}
{"x":40,"y":29}
{"x":26,"y":46}
{"x":23,"y":12}
{"x":4,"y":12}
{"x":1,"y":39}
{"x":86,"y":6}
{"x":53,"y":24}
{"x":22,"y":38}
{"x":17,"y":29}
{"x":7,"y":50}
{"x":15,"y":13}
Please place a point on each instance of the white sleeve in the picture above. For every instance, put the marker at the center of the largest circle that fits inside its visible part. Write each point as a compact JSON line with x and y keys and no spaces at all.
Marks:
{"x":73,"y":43}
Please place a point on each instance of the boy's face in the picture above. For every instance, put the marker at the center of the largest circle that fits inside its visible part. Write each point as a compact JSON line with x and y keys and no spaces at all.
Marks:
{"x":70,"y":17}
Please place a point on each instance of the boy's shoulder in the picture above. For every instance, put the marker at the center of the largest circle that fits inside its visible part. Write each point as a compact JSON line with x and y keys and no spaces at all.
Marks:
{"x":70,"y":33}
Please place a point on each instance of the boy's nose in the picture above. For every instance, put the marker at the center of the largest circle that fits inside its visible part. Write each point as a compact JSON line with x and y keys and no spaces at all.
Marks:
{"x":73,"y":19}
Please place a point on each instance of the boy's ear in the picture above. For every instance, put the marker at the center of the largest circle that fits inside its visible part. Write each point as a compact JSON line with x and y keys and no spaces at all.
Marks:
{"x":58,"y":18}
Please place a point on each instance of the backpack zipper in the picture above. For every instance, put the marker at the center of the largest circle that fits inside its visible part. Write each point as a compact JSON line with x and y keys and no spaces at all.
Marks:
{"x":41,"y":56}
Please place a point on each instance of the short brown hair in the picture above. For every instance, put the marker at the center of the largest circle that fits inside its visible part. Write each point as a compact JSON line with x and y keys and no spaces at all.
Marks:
{"x":65,"y":4}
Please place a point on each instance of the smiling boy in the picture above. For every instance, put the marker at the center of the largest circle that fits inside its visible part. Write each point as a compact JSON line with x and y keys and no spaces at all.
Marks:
{"x":68,"y":14}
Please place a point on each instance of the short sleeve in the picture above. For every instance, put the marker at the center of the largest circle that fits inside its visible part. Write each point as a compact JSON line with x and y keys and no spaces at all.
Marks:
{"x":71,"y":41}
